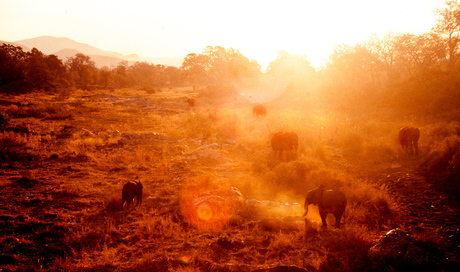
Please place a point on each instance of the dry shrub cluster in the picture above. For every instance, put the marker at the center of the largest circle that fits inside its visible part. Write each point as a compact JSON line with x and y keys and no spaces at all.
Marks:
{"x":16,"y":148}
{"x":347,"y":251}
{"x":42,"y":111}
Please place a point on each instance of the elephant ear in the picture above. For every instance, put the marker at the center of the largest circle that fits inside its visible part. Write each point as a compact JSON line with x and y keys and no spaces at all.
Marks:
{"x":317,"y":196}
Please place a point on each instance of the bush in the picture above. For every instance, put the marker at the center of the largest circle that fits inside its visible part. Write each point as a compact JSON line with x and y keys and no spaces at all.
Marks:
{"x":346,"y":251}
{"x":150,"y":89}
{"x":40,"y":111}
{"x":13,"y":149}
{"x":442,"y":165}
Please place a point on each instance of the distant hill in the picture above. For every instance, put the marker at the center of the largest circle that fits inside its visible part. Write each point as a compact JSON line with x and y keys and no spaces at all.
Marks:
{"x":64,"y":48}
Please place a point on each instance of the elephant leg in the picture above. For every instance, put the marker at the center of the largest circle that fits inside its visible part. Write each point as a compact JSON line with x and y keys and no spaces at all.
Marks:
{"x":338,"y":217}
{"x":323,"y":215}
{"x":416,"y":148}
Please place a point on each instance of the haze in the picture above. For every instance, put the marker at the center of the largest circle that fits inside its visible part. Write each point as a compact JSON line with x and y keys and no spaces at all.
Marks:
{"x":258,"y":29}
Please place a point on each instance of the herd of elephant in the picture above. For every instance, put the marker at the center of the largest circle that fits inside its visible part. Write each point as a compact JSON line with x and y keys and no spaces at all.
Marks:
{"x":328,"y":201}
{"x":288,"y":142}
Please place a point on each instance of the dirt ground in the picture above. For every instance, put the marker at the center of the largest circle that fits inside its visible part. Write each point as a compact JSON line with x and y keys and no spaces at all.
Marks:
{"x":425,"y":207}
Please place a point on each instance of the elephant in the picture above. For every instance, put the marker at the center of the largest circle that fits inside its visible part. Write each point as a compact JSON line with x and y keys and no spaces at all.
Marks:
{"x":285,"y":141}
{"x":191,"y":102}
{"x":259,"y":110}
{"x":130,"y":191}
{"x":328,"y":201}
{"x":408,"y":138}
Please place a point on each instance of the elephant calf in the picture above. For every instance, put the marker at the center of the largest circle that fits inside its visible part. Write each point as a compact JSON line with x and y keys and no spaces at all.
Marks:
{"x":130,"y":191}
{"x":328,"y":201}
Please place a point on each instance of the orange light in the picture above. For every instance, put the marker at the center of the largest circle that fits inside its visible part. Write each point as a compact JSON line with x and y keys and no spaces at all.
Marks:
{"x":207,"y":207}
{"x":204,"y":212}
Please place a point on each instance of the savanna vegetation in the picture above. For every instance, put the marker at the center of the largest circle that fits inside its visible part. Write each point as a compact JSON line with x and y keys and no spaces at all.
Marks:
{"x":214,"y":196}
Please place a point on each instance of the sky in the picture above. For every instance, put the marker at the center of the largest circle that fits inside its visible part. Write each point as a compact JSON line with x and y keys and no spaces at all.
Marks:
{"x":258,"y":29}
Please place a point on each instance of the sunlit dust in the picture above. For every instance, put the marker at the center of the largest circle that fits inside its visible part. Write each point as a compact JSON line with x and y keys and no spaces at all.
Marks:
{"x":266,"y":89}
{"x":313,"y":214}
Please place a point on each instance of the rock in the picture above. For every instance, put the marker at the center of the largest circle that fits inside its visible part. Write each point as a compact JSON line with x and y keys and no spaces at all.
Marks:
{"x":236,"y":194}
{"x":205,"y":156}
{"x":393,"y":245}
{"x":69,"y":132}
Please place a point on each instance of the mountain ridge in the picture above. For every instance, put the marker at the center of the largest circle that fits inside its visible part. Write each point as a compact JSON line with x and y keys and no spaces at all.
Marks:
{"x":64,"y":47}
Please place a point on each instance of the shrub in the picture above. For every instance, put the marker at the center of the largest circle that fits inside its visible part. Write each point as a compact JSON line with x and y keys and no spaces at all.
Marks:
{"x":371,"y":207}
{"x":442,"y":158}
{"x":291,"y":176}
{"x":13,"y":148}
{"x":40,"y":111}
{"x":346,"y":251}
{"x":442,"y":164}
{"x":148,"y":88}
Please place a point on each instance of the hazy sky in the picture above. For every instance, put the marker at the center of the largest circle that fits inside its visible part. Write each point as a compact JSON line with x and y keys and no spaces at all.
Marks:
{"x":168,"y":28}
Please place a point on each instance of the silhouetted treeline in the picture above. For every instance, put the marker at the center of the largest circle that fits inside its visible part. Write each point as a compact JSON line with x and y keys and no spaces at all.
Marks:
{"x":27,"y":71}
{"x":22,"y":71}
{"x":409,"y":73}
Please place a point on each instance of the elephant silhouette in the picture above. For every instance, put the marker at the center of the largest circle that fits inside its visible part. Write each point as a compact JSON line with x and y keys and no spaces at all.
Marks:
{"x":259,"y":110}
{"x":287,"y":142}
{"x":328,"y":201}
{"x":408,"y":138}
{"x":130,"y":191}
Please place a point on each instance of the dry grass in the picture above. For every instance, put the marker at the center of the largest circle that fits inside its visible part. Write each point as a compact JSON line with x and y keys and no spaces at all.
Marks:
{"x":79,"y":178}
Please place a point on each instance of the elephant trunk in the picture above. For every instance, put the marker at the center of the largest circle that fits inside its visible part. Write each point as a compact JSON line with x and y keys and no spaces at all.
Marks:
{"x":306,"y":210}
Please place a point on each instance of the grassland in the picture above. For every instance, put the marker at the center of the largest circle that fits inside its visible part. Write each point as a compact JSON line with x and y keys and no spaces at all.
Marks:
{"x":64,"y":159}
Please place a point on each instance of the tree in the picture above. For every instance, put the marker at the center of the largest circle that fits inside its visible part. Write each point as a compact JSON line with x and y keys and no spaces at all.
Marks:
{"x":381,"y":57}
{"x":82,"y":70}
{"x":38,"y":73}
{"x":196,"y":68}
{"x":120,"y":74}
{"x":57,"y":68}
{"x":448,"y":27}
{"x":105,"y":76}
{"x":219,"y":68}
{"x":12,"y":69}
{"x":420,"y":55}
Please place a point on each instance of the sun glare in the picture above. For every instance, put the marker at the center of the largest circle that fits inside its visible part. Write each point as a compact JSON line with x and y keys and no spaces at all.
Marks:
{"x":176,"y":28}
